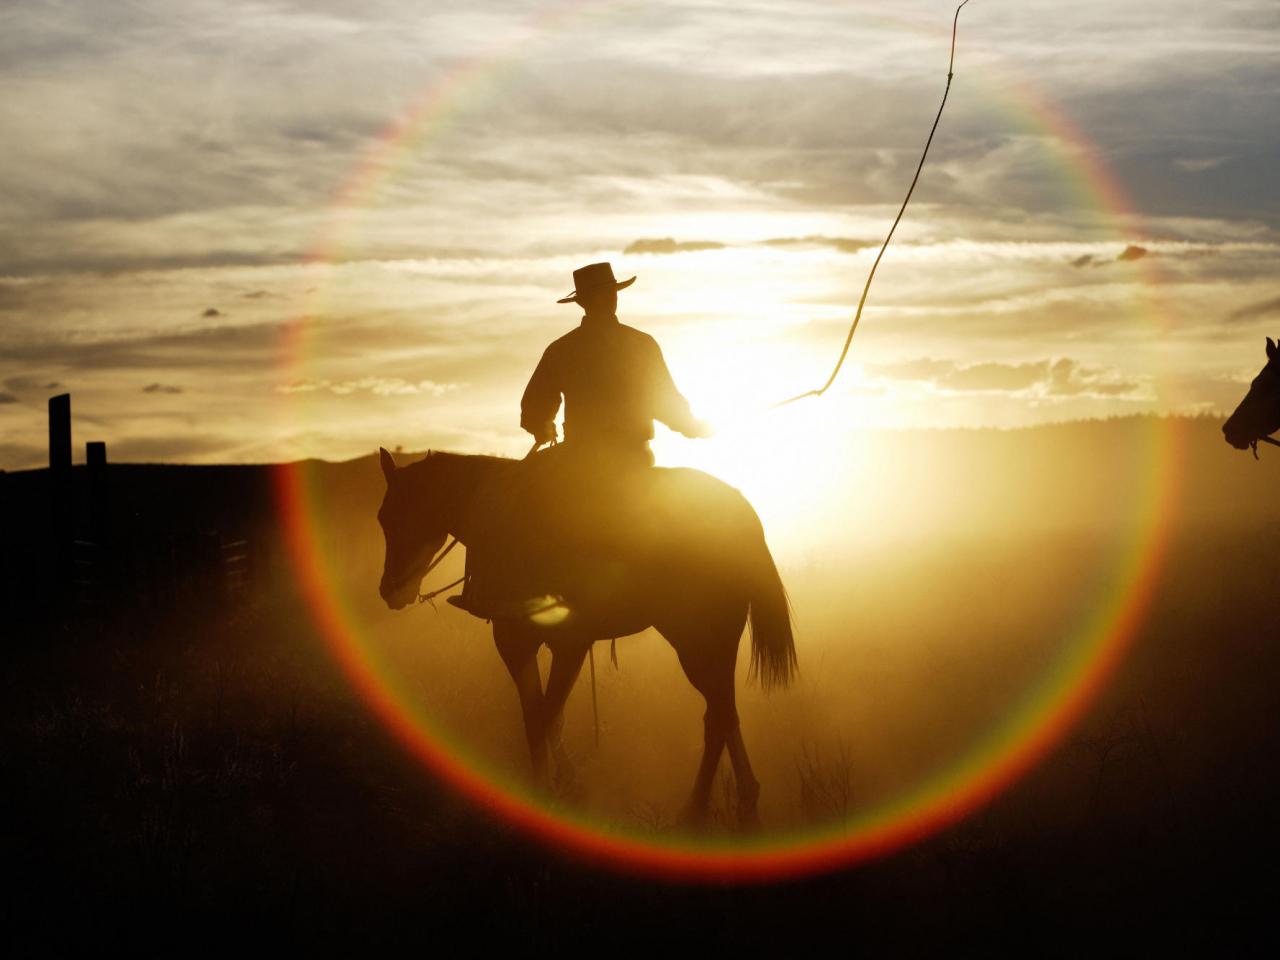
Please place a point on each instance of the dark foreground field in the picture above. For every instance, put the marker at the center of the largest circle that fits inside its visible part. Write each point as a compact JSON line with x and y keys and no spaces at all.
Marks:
{"x":205,"y":777}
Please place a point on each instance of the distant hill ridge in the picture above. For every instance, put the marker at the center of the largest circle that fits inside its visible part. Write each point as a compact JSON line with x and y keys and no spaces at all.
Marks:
{"x":1085,"y":472}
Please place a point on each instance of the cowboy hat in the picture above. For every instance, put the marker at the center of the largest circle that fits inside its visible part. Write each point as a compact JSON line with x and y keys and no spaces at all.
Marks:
{"x":594,"y":275}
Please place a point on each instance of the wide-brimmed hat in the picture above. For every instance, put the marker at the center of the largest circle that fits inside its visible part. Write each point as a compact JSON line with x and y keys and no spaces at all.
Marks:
{"x":594,"y":275}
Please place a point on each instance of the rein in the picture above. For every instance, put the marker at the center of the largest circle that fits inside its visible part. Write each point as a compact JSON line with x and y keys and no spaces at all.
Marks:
{"x":427,"y":597}
{"x":1253,"y":445}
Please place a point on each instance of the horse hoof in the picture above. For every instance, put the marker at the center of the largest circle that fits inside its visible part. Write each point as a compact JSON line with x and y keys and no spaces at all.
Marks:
{"x":563,"y":764}
{"x":692,"y":818}
{"x":565,"y":783}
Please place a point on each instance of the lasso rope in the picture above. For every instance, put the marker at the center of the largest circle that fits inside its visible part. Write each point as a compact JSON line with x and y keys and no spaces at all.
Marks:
{"x":853,"y":327}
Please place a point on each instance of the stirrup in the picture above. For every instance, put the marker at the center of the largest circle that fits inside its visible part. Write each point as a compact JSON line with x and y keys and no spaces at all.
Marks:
{"x":467,"y":604}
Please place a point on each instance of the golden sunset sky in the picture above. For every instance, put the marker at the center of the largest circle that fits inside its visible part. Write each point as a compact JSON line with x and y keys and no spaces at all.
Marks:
{"x":256,"y":231}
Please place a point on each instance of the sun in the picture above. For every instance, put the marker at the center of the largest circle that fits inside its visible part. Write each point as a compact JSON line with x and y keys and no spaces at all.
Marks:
{"x":793,"y":462}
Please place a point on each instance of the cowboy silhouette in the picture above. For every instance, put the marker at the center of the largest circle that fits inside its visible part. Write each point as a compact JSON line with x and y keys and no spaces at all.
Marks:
{"x":613,"y":378}
{"x":614,"y":383}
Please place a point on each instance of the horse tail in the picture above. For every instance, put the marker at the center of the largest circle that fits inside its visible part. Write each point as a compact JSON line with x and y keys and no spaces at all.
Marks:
{"x":773,"y":648}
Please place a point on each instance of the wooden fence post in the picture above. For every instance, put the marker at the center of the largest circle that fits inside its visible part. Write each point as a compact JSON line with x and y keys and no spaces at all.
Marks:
{"x":62,"y":506}
{"x":60,"y":432}
{"x":98,"y":513}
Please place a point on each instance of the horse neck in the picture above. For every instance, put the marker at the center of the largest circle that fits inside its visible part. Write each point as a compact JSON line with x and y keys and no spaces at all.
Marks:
{"x":450,"y":483}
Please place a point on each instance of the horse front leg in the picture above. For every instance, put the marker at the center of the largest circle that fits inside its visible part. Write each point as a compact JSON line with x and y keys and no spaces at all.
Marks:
{"x":565,"y":772}
{"x":745,"y":778}
{"x":519,"y":652}
{"x":722,"y":730}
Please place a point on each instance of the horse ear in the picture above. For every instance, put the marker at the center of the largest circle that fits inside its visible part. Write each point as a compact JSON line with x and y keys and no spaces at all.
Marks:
{"x":1271,"y":349}
{"x":388,"y":465}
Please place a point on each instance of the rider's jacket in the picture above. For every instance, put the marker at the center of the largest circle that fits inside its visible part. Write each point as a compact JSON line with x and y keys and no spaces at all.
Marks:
{"x":615,"y":383}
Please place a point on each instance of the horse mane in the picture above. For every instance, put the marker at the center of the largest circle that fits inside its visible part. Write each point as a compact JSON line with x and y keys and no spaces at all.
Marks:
{"x":448,"y":472}
{"x":444,"y":456}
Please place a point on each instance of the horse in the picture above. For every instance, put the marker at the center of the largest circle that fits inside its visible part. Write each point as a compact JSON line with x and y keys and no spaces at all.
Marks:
{"x":702,"y":574}
{"x":1258,"y":415}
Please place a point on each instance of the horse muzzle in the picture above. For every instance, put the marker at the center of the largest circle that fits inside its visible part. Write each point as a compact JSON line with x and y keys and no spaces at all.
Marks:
{"x":1237,"y":441}
{"x":1238,"y":438}
{"x":398,"y":596}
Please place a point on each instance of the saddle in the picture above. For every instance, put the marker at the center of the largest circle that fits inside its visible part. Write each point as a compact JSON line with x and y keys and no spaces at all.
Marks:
{"x":568,"y":525}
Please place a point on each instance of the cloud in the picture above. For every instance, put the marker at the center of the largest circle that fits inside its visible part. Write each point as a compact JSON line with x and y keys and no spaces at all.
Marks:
{"x":666,"y":245}
{"x":378,"y":386}
{"x":1199,"y":164}
{"x":841,"y":244}
{"x":204,"y":347}
{"x":220,"y":150}
{"x":12,"y":295}
{"x":1255,"y":311}
{"x":160,"y":388}
{"x":8,"y":398}
{"x":921,"y":369}
{"x":172,"y":448}
{"x":30,"y":384}
{"x":1127,"y":255}
{"x":22,"y":456}
{"x":303,"y":386}
{"x":1069,"y":379}
{"x":1004,"y":377}
{"x":1043,"y":378}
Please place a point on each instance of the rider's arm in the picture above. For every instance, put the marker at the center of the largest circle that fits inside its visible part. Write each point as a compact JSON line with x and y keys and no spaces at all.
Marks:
{"x":670,"y":406}
{"x":541,"y":400}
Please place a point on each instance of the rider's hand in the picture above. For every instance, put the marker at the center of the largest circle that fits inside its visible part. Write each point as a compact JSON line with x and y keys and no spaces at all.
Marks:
{"x":546,"y":432}
{"x":700,"y":430}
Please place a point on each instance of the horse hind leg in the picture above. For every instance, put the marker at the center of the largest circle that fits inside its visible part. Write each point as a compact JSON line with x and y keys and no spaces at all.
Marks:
{"x":745,"y":778}
{"x":711,"y":670}
{"x":519,"y":652}
{"x":723,"y":723}
{"x":565,"y":772}
{"x":713,"y":743}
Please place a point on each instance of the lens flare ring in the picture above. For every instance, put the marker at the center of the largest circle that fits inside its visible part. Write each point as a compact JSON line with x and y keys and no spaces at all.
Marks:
{"x":1041,"y":721}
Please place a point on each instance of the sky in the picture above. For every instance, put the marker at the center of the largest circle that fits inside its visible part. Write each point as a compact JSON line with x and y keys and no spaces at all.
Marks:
{"x":255,"y":231}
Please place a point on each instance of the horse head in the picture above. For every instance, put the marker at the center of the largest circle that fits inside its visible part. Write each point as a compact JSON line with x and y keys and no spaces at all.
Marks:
{"x":1258,"y":415}
{"x":414,"y":536}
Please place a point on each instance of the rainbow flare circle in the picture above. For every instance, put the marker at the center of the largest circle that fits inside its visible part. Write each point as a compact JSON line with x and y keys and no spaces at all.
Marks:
{"x":1045,"y":715}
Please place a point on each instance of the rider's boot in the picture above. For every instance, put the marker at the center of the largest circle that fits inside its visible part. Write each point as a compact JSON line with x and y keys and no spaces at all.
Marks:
{"x":471,"y":600}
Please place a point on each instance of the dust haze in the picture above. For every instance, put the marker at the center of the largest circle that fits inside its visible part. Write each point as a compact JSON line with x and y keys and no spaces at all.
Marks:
{"x":917,"y":637}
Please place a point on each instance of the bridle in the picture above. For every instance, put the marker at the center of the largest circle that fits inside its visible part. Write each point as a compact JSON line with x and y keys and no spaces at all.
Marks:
{"x":428,"y":597}
{"x":453,"y":542}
